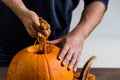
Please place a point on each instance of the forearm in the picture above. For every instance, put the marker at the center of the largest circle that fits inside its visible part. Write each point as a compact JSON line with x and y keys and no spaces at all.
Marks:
{"x":17,"y":6}
{"x":28,"y":17}
{"x":91,"y":17}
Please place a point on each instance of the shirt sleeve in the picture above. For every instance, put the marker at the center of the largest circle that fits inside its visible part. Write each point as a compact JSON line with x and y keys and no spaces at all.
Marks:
{"x":105,"y":2}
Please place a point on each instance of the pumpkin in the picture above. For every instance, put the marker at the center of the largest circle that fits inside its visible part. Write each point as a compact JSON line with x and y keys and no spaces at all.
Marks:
{"x":32,"y":63}
{"x":39,"y":62}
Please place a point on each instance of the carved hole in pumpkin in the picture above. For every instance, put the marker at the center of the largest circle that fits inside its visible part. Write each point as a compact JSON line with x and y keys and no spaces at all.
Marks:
{"x":38,"y":49}
{"x":35,"y":49}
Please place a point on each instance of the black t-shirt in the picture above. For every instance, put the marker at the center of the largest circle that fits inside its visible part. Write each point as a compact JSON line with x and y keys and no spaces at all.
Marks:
{"x":58,"y":13}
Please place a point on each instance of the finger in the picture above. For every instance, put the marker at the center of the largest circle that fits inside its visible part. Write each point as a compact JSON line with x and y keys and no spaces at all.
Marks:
{"x":63,"y":52}
{"x":46,"y":32}
{"x":36,"y":21}
{"x":43,"y":31}
{"x":32,"y":32}
{"x":73,"y":60}
{"x":37,"y":28}
{"x":77,"y":62}
{"x":67,"y":57}
{"x":36,"y":24}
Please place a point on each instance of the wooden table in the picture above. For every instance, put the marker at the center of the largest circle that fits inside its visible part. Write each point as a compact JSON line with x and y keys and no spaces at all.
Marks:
{"x":106,"y":73}
{"x":101,"y":73}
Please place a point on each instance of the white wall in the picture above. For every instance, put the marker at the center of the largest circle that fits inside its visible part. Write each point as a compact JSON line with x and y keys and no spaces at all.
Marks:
{"x":104,"y":41}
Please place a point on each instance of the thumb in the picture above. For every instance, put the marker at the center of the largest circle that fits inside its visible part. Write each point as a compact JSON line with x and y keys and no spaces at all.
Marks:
{"x":37,"y":23}
{"x":55,"y":42}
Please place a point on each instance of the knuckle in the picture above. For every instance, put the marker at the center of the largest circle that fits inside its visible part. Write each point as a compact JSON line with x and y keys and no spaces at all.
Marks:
{"x":67,"y":59}
{"x":75,"y":56}
{"x":63,"y":52}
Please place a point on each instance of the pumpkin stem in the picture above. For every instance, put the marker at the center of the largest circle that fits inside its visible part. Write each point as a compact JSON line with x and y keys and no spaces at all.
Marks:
{"x":85,"y":71}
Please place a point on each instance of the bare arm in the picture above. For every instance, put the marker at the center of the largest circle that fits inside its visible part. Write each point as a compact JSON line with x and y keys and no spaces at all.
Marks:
{"x":28,"y":17}
{"x":91,"y":17}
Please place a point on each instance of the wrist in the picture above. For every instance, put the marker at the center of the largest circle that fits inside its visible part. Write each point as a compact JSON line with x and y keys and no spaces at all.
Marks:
{"x":21,"y":13}
{"x":81,"y":32}
{"x":21,"y":10}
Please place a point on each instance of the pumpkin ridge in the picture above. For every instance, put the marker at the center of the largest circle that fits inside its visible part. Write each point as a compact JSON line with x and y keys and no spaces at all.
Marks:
{"x":48,"y":67}
{"x":18,"y":60}
{"x":37,"y":67}
{"x":30,"y":59}
{"x":42,"y":58}
{"x":27,"y":57}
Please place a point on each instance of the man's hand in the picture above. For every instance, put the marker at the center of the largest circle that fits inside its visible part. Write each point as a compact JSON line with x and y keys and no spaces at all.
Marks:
{"x":71,"y":51}
{"x":29,"y":18}
{"x":32,"y":24}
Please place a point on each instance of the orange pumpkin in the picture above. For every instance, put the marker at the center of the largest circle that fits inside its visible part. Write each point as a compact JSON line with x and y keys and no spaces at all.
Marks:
{"x":39,"y":62}
{"x":33,"y":63}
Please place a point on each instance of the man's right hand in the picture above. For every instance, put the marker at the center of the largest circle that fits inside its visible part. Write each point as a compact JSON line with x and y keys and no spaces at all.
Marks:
{"x":29,"y":18}
{"x":32,"y":24}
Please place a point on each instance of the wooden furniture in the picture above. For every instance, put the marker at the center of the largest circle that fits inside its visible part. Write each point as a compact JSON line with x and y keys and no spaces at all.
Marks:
{"x":101,"y":73}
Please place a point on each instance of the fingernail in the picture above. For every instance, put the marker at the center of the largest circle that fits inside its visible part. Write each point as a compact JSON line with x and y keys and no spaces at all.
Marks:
{"x":59,"y":57}
{"x":69,"y":67}
{"x":75,"y":70}
{"x":38,"y":24}
{"x":63,"y":63}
